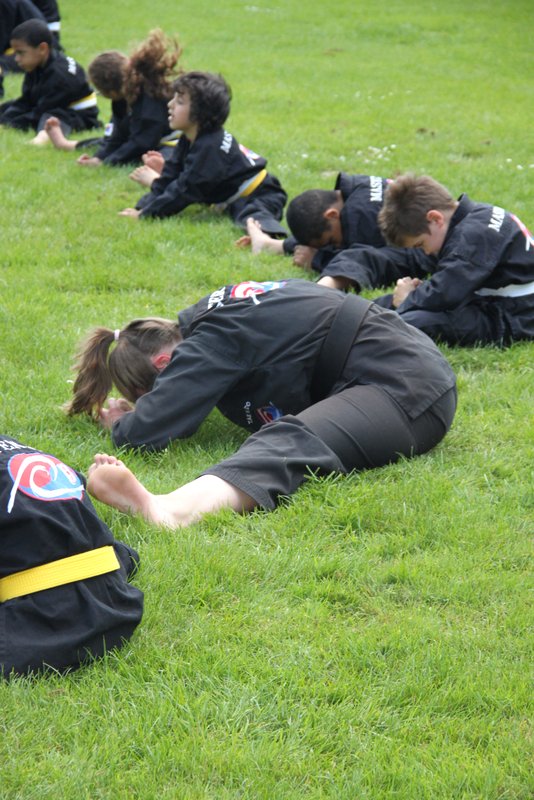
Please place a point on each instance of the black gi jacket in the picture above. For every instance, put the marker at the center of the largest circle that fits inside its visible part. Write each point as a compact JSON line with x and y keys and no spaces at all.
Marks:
{"x":46,"y":515}
{"x":362,"y":196}
{"x":134,"y":131}
{"x":51,"y":90}
{"x":209,"y":170}
{"x":487,"y":255}
{"x":251,"y":350}
{"x":50,"y":9}
{"x":13,"y":13}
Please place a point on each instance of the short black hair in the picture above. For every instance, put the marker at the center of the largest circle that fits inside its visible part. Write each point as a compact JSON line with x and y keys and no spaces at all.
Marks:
{"x":33,"y":32}
{"x":210,"y":98}
{"x":305,"y":214}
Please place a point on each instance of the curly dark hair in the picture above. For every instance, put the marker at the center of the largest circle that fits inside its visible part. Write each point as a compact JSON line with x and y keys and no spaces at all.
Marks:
{"x":152,"y":67}
{"x":210,"y":98}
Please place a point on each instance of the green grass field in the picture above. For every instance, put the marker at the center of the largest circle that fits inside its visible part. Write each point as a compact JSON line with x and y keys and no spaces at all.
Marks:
{"x":371,"y":638}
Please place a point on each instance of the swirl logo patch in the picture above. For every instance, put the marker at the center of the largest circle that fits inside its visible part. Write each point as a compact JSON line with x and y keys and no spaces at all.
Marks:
{"x":251,"y":288}
{"x":43,"y":478}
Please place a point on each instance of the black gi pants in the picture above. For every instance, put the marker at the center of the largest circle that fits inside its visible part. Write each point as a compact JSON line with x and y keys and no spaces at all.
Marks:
{"x":477,"y":322}
{"x":265,"y":204}
{"x":360,"y":428}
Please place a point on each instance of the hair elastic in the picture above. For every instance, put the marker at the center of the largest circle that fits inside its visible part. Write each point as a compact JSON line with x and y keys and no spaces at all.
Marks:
{"x":116,"y":334}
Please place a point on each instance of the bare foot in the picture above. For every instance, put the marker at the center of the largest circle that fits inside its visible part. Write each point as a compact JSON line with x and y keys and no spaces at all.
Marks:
{"x":56,"y":135}
{"x":260,"y":241}
{"x":154,"y":160}
{"x":144,"y":175}
{"x":40,"y":139}
{"x":334,"y":283}
{"x":111,"y":482}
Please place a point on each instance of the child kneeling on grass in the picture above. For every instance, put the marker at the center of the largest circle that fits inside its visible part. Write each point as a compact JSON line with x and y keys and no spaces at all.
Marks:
{"x":139,"y":87}
{"x":325,"y":382}
{"x":64,"y":594}
{"x":54,"y":86}
{"x":208,"y":165}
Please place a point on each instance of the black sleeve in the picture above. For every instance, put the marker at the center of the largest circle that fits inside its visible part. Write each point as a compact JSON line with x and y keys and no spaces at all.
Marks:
{"x":289,"y":245}
{"x":148,"y":123}
{"x":59,"y":89}
{"x":197,"y":177}
{"x":323,"y":257}
{"x":374,"y":267}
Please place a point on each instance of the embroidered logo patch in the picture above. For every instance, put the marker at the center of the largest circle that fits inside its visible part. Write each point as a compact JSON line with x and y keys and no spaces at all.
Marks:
{"x":251,"y":288}
{"x":269,"y":413}
{"x":42,"y":477}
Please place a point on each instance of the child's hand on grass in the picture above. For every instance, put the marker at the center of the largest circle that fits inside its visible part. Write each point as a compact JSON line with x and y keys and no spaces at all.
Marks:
{"x":403,"y":288}
{"x":89,"y":161}
{"x":303,"y":256}
{"x":115,"y":410}
{"x":130,"y":212}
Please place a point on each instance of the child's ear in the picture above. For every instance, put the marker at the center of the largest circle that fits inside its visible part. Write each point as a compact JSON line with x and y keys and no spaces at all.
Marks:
{"x":332,"y":213}
{"x":435,"y":216}
{"x":44,"y":50}
{"x":160,"y":361}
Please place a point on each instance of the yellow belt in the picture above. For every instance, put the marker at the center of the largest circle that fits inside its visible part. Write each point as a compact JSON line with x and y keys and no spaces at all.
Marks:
{"x":56,"y":573}
{"x":84,"y":102}
{"x":171,"y":140}
{"x":249,"y":188}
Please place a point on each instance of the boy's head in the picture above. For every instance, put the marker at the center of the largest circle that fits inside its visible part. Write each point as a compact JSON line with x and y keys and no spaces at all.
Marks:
{"x":416,"y":213}
{"x":32,"y":42}
{"x":107,"y":72}
{"x":209,"y":99}
{"x":314,"y":218}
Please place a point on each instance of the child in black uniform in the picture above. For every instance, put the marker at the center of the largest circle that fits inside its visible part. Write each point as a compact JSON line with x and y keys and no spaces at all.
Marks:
{"x":54,"y":85}
{"x":12,"y":14}
{"x":481,"y":289}
{"x":64,"y":595}
{"x":342,"y":384}
{"x":208,"y":165}
{"x":139,"y":88}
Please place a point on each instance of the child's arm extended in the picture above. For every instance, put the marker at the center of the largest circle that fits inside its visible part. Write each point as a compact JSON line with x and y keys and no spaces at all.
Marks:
{"x":197,"y":173}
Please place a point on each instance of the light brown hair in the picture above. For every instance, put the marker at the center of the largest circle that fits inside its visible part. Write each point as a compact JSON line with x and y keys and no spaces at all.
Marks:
{"x":407,"y":201}
{"x":127,"y":365}
{"x":150,"y":68}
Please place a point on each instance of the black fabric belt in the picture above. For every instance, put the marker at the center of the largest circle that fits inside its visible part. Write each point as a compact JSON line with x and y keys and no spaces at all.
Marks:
{"x":337,"y":344}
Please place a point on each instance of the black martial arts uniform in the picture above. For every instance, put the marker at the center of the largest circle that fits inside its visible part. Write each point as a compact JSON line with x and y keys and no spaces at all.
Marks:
{"x":258,"y":353}
{"x":58,"y":89}
{"x":481,"y":289}
{"x":216,"y":170}
{"x":50,"y":10}
{"x":134,"y":130}
{"x":46,"y":517}
{"x":362,"y":200}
